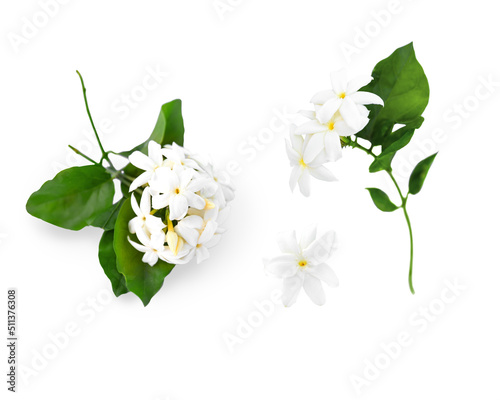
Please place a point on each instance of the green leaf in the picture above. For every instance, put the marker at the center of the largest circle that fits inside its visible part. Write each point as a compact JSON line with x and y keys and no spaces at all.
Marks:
{"x":74,"y":198}
{"x":107,"y":219}
{"x":401,"y":82}
{"x":169,"y":129}
{"x":107,"y":258}
{"x":142,"y":279}
{"x":419,"y":174}
{"x":381,"y":200}
{"x":394,"y":142}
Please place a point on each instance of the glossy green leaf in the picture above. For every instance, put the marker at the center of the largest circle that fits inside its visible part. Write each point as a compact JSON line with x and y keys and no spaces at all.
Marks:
{"x":141,"y":278}
{"x":394,"y":142}
{"x":107,"y":258}
{"x":401,"y":82}
{"x":381,"y":200}
{"x":169,"y":129}
{"x":419,"y":174}
{"x":74,"y":198}
{"x":107,"y":219}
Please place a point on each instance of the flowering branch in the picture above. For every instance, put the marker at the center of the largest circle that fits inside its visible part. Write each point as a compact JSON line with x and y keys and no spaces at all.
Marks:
{"x":368,"y":108}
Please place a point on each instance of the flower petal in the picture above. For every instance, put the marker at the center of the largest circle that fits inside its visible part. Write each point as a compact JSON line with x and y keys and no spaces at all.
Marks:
{"x":305,"y":183}
{"x":314,"y":290}
{"x":287,"y":242}
{"x":322,"y":97}
{"x":178,"y":206}
{"x":150,"y":258}
{"x":141,"y":161}
{"x":312,"y":114}
{"x":366,"y":98}
{"x":145,"y":202}
{"x":160,"y":201}
{"x":326,"y":112}
{"x":357,"y":83}
{"x":213,"y":242}
{"x":321,"y":249}
{"x":142,"y":179}
{"x":291,"y":290}
{"x":188,"y":234}
{"x":137,"y":246}
{"x":315,"y":145}
{"x":322,"y":173}
{"x":309,"y":127}
{"x":154,"y":152}
{"x":308,"y":236}
{"x":192,"y":221}
{"x":333,"y":147}
{"x":195,"y":201}
{"x":339,"y":81}
{"x":350,"y":113}
{"x":282,"y":266}
{"x":135,"y":206}
{"x":202,"y":254}
{"x":294,"y":176}
{"x":293,"y":155}
{"x":325,"y":273}
{"x":208,"y":232}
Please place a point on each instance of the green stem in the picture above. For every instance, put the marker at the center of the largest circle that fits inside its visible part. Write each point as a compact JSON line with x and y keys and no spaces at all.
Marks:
{"x":83,"y":155}
{"x":104,"y":154}
{"x":354,"y":144}
{"x":403,"y":206}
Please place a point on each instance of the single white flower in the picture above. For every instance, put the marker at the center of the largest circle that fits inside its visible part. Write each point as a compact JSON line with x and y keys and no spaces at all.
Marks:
{"x":302,"y":265}
{"x":304,"y":166}
{"x":183,"y":256}
{"x":324,"y":136}
{"x":208,"y":239}
{"x":221,"y":188}
{"x":144,"y":220}
{"x":149,"y":163}
{"x":189,"y":228}
{"x":346,"y":98}
{"x":152,"y":246}
{"x":201,"y":232}
{"x":177,"y":189}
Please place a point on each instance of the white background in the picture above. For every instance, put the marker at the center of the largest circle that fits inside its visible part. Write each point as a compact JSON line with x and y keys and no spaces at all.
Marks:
{"x":234,"y":73}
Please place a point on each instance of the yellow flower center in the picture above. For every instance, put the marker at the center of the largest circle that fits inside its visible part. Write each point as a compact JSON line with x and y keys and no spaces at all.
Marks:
{"x":303,"y":264}
{"x":331,"y":125}
{"x":177,"y":191}
{"x":342,"y":95}
{"x":302,"y":163}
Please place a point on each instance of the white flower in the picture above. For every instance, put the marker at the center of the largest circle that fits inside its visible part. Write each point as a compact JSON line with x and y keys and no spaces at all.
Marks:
{"x":324,"y":136}
{"x":177,"y":155}
{"x":345,"y":98}
{"x":149,"y":163}
{"x":305,"y":166}
{"x":144,"y":220}
{"x":208,"y":239}
{"x":302,"y":265}
{"x":221,"y":188}
{"x":153,"y":247}
{"x":176,"y":189}
{"x":201,"y":233}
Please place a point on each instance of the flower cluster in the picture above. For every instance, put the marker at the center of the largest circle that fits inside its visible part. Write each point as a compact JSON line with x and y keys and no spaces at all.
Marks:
{"x":338,"y":112}
{"x":182,"y":207}
{"x":303,"y":265}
